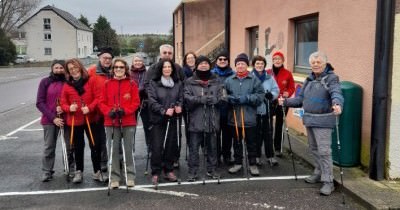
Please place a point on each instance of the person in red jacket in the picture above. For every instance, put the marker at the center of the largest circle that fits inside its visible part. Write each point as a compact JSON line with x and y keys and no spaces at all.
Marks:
{"x":100,"y":73}
{"x":78,"y":102}
{"x":285,"y":81}
{"x":118,"y":103}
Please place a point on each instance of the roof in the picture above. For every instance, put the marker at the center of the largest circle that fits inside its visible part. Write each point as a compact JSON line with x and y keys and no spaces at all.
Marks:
{"x":64,"y":15}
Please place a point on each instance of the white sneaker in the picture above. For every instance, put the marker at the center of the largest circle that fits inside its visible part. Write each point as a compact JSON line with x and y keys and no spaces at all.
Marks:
{"x":327,"y":188}
{"x":78,"y":177}
{"x":235,"y":169}
{"x":254,"y":170}
{"x":98,"y":176}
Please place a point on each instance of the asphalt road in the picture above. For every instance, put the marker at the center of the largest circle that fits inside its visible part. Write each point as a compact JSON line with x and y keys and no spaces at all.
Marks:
{"x":21,"y":147}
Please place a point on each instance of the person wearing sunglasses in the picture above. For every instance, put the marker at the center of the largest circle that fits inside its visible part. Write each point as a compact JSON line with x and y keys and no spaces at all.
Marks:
{"x":224,"y":137}
{"x":119,"y":102}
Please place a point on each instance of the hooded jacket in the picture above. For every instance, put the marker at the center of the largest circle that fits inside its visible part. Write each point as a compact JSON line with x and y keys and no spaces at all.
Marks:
{"x":317,"y":96}
{"x":269,"y":85}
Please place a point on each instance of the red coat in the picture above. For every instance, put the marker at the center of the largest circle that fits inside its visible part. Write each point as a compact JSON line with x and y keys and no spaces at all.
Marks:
{"x":120,"y":93}
{"x":285,"y":81}
{"x":98,"y":80}
{"x":69,"y":95}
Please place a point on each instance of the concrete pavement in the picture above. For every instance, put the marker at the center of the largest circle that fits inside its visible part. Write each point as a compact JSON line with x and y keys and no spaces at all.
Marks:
{"x":372,"y":194}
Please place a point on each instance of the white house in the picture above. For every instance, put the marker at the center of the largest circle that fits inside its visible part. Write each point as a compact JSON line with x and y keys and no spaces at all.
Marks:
{"x":52,"y":33}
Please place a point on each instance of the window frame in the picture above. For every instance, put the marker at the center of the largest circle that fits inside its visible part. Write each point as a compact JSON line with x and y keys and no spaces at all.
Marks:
{"x":299,"y":68}
{"x":48,"y":51}
{"x":46,"y":24}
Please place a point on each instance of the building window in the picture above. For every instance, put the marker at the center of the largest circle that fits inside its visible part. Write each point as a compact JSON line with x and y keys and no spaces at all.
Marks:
{"x":306,"y":42}
{"x":252,"y":34}
{"x":47,"y":36}
{"x":47,"y":51}
{"x":46,"y":23}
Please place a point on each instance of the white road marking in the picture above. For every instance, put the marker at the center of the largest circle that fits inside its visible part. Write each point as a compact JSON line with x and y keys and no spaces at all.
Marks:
{"x":149,"y":188}
{"x":136,"y":188}
{"x":22,"y":127}
{"x":7,"y":137}
{"x":33,"y":129}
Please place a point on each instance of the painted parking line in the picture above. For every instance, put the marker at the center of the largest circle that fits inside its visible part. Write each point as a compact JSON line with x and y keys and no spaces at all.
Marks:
{"x":150,"y":188}
{"x":9,"y":136}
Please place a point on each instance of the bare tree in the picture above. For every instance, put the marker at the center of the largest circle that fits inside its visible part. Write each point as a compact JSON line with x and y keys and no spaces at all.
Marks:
{"x":13,"y":12}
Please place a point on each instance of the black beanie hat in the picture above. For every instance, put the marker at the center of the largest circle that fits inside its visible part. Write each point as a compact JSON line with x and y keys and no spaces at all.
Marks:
{"x":223,"y":54}
{"x":202,"y":58}
{"x":105,"y":50}
{"x":242,"y":57}
{"x":61,"y":62}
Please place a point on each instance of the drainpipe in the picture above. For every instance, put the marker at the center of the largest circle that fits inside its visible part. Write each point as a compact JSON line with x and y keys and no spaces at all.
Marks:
{"x":382,"y":73}
{"x":183,"y":29}
{"x":173,"y":34}
{"x":227,"y":25}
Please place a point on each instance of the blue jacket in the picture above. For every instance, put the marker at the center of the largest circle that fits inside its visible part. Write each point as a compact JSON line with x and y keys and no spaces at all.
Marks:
{"x":317,"y":97}
{"x":250,"y":87}
{"x":269,"y":85}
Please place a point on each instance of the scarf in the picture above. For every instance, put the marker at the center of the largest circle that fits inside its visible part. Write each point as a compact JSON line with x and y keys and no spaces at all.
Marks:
{"x":276,"y":69}
{"x":203,"y":75}
{"x":226,"y":71}
{"x":57,"y":77}
{"x":106,"y":71}
{"x":78,"y":85}
{"x":167,"y":82}
{"x":133,"y":69}
{"x":242,"y":75}
{"x":261,"y":76}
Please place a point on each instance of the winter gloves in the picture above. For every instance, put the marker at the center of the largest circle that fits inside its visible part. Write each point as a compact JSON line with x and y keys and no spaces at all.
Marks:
{"x":208,"y":100}
{"x":116,"y":113}
{"x":238,"y":100}
{"x":269,"y":96}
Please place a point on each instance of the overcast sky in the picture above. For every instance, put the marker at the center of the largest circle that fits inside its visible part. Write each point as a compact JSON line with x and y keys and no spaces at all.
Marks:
{"x":125,"y":16}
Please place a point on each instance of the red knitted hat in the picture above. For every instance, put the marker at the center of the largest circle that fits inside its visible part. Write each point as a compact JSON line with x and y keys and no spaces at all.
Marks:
{"x":279,"y":54}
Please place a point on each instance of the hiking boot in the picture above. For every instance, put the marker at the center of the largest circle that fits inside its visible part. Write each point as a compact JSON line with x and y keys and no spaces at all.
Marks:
{"x":154,"y":179}
{"x":272,"y":161}
{"x":114,"y":184}
{"x":78,"y":177}
{"x":170,"y":176}
{"x":254,"y":170}
{"x":213,"y":174}
{"x":98,"y":176}
{"x":47,"y":177}
{"x":258,"y":161}
{"x":327,"y":188}
{"x":130,"y":183}
{"x":235,"y":169}
{"x":176,"y":164}
{"x":315,"y":178}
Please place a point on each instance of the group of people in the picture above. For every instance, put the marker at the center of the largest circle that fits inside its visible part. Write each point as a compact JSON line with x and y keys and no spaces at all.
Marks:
{"x":223,"y":110}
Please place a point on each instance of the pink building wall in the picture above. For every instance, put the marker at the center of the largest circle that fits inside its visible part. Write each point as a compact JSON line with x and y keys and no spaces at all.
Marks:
{"x":346,"y":33}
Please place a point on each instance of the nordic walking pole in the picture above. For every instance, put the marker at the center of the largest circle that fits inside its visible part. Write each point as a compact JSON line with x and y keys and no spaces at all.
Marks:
{"x":88,"y":124}
{"x":122,"y":144}
{"x":178,"y":141}
{"x":340,"y":165}
{"x":290,"y":145}
{"x":63,"y":146}
{"x":204,"y":139}
{"x":71,"y":138}
{"x":214,"y":132}
{"x":111,"y":152}
{"x":244,"y":143}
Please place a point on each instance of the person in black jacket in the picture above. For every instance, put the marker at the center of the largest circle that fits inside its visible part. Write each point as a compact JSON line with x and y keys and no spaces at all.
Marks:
{"x":202,"y":95}
{"x":165,"y":95}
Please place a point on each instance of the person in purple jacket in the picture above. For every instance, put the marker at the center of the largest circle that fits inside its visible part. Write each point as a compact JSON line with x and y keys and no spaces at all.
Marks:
{"x":48,"y":93}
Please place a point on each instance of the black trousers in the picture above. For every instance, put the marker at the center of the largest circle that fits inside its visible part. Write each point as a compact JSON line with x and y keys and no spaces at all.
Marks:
{"x":224,"y":139}
{"x":264,"y":135}
{"x":249,"y":141}
{"x":100,"y":133}
{"x":209,"y":142}
{"x":278,"y":125}
{"x":78,"y":146}
{"x":163,"y":158}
